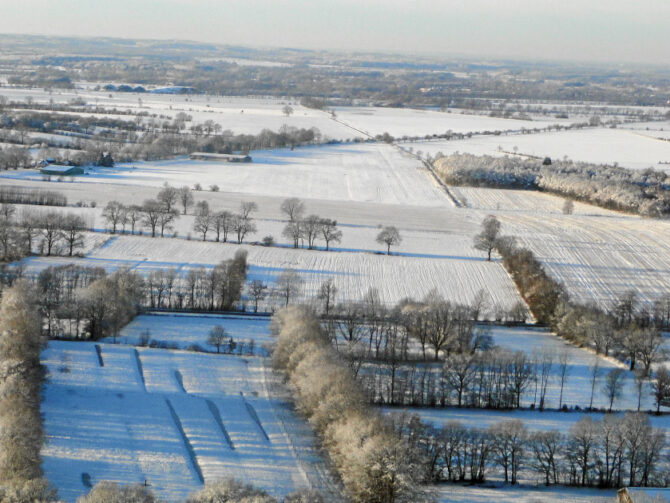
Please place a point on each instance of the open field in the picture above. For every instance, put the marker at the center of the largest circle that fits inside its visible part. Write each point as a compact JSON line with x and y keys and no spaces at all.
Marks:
{"x":457,"y":278}
{"x":598,"y":259}
{"x":450,"y":493}
{"x":188,"y":329}
{"x":400,"y":122}
{"x":359,"y":172}
{"x":628,"y":148}
{"x":238,"y":114}
{"x":172,"y":419}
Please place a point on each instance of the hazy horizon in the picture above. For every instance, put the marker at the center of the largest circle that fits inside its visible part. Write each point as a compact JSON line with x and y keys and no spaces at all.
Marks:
{"x":608,"y":32}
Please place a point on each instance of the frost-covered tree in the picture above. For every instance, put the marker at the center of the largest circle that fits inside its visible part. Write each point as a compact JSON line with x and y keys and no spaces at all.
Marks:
{"x":389,"y":236}
{"x":20,"y":381}
{"x":111,"y":492}
{"x":487,"y":239}
{"x":568,"y":207}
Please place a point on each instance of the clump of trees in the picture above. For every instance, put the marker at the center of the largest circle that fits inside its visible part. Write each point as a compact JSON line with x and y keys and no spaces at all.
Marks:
{"x":375,"y":462}
{"x":637,"y":191}
{"x":85,"y":302}
{"x":225,"y":223}
{"x":20,"y":195}
{"x":21,"y":434}
{"x":301,"y":229}
{"x":48,"y":233}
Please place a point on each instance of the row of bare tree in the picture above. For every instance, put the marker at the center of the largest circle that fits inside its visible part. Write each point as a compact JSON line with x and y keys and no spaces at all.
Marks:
{"x":44,"y":232}
{"x":614,"y":451}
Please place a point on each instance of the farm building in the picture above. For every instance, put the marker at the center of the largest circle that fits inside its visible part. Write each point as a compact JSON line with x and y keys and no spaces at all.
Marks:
{"x":206,"y":156}
{"x":61,"y":170}
{"x":643,"y":495}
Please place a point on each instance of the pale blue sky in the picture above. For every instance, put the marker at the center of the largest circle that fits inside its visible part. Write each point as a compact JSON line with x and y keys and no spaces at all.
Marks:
{"x":598,"y":30}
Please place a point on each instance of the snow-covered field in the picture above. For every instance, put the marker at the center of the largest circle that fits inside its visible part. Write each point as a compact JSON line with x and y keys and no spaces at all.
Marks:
{"x":358,"y":172}
{"x":241,"y":115}
{"x":412,"y":122}
{"x":185,"y":330}
{"x":598,"y":258}
{"x":395,"y":277}
{"x":170,"y":418}
{"x":458,"y":279}
{"x":450,"y":493}
{"x":577,"y":387}
{"x":628,"y":148}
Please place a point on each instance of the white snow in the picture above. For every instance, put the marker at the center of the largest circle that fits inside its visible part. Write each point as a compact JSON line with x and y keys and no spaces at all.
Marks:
{"x":630,"y":149}
{"x":122,"y":421}
{"x":185,"y":329}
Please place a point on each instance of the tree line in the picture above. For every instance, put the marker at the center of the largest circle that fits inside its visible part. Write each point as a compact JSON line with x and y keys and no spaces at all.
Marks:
{"x":373,"y":462}
{"x":21,"y":375}
{"x":44,"y":232}
{"x":614,"y":451}
{"x":628,"y":330}
{"x":637,"y":191}
{"x":87,"y":303}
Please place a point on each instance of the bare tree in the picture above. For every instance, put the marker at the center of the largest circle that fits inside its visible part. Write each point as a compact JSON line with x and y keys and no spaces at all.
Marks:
{"x":563,"y":368}
{"x":242,"y":226}
{"x":72,"y":229}
{"x":168,"y":197}
{"x":594,"y":370}
{"x":287,"y":110}
{"x":487,"y":239}
{"x":50,"y":227}
{"x":293,"y":231}
{"x":546,"y":363}
{"x":165,"y":219}
{"x":311,"y":226}
{"x":509,"y":439}
{"x":661,"y":387}
{"x":217,"y":337}
{"x":293,"y":208}
{"x":113,"y":213}
{"x":289,"y":285}
{"x":247,"y":208}
{"x":134,"y":215}
{"x":327,"y":293}
{"x":389,"y":236}
{"x":613,"y":386}
{"x":223,"y":223}
{"x":151,"y":211}
{"x":185,"y":197}
{"x":330,"y":232}
{"x":257,"y":290}
{"x":203,"y":219}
